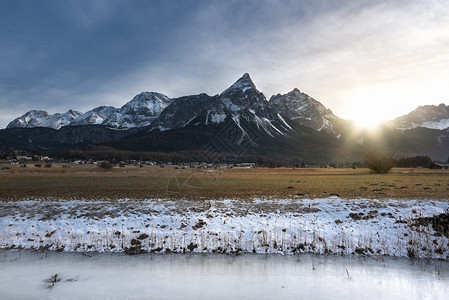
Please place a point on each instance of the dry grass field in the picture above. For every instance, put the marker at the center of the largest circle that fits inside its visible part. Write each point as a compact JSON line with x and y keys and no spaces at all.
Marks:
{"x":92,"y":183}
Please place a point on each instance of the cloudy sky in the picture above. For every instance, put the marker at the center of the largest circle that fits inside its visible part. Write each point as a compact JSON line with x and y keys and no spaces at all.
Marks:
{"x":359,"y":58}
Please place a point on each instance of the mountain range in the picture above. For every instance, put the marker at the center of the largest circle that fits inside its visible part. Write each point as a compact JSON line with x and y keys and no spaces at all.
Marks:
{"x":141,"y":111}
{"x":239,"y":122}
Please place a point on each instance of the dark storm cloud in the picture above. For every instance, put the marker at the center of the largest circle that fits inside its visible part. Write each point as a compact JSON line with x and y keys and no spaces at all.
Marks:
{"x":76,"y":45}
{"x":57,"y":52}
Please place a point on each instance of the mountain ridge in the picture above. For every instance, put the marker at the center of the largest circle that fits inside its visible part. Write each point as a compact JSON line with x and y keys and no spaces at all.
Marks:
{"x":241,"y":99}
{"x":138,"y":112}
{"x":305,"y":110}
{"x":146,"y":107}
{"x":428,"y":116}
{"x":239,"y":123}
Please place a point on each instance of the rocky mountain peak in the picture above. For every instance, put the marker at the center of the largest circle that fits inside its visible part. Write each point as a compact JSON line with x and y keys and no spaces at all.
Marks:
{"x":147,"y":103}
{"x":242,"y":85}
{"x":305,"y":110}
{"x":141,"y":111}
{"x":72,"y":113}
{"x":149,"y":96}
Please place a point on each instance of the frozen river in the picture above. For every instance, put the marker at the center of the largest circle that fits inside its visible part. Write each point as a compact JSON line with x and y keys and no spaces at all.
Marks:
{"x":55,"y":275}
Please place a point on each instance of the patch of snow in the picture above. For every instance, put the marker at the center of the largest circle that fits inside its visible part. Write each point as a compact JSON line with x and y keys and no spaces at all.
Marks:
{"x":236,"y":119}
{"x":161,"y":128}
{"x":189,"y":121}
{"x":231,"y":106}
{"x":272,"y":126}
{"x":207,"y":117}
{"x":282,"y":119}
{"x":326,"y":124}
{"x":218,"y":118}
{"x":442,"y":124}
{"x":243,"y":84}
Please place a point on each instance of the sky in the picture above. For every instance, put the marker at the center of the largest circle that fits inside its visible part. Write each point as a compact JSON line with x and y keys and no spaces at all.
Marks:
{"x":364,"y":60}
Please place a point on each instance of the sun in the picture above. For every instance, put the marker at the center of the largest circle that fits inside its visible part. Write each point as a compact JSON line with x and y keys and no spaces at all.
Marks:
{"x":367,"y":121}
{"x":368,"y":108}
{"x":366,"y":115}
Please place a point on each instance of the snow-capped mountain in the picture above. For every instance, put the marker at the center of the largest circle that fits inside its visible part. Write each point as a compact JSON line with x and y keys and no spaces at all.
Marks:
{"x":243,"y":100}
{"x":40,"y":118}
{"x":184,"y":110}
{"x":304,"y":110}
{"x":240,"y":101}
{"x":96,"y":116}
{"x":141,"y":111}
{"x":238,"y":124}
{"x":428,"y":116}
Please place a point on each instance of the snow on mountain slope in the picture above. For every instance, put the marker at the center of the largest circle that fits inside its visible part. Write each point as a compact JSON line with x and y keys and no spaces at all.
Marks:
{"x":442,"y":124}
{"x":244,"y":101}
{"x":184,"y":110}
{"x":141,"y":111}
{"x":429,"y":116}
{"x":240,"y":101}
{"x":96,"y":116}
{"x":40,"y":118}
{"x":304,"y":110}
{"x":243,"y":84}
{"x":243,"y":94}
{"x":30,"y":119}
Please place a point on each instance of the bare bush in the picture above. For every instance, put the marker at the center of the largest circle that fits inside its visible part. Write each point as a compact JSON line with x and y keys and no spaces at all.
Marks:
{"x":105,"y":165}
{"x":378,"y":162}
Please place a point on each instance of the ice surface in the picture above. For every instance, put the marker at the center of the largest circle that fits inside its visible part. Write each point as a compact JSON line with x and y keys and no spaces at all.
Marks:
{"x":26,"y":275}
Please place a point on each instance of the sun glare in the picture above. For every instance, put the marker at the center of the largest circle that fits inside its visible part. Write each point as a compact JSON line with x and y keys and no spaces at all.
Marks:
{"x":368,"y":121}
{"x":368,"y":108}
{"x":368,"y":115}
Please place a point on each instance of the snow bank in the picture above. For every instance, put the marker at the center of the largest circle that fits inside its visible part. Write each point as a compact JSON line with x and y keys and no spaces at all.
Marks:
{"x":332,"y":225}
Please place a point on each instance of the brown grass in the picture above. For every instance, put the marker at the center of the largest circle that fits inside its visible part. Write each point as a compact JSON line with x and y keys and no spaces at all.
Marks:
{"x":90,"y":182}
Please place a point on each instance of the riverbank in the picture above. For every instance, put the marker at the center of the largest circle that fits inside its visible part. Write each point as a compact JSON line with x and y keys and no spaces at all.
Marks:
{"x":398,"y":228}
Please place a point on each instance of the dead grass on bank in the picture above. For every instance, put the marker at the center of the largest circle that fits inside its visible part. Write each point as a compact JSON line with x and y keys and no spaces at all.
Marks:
{"x":91,"y":183}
